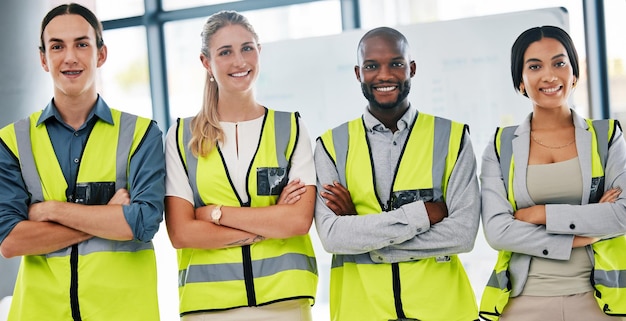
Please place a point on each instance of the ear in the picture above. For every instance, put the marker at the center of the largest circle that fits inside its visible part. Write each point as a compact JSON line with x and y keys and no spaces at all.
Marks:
{"x":522,"y":88}
{"x":357,"y":72}
{"x":413,"y":68}
{"x":102,"y":55}
{"x":258,"y":46}
{"x":206,"y":62}
{"x":44,"y":61}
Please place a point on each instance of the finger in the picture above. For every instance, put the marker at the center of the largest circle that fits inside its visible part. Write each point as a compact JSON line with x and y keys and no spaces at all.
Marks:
{"x":334,"y":207}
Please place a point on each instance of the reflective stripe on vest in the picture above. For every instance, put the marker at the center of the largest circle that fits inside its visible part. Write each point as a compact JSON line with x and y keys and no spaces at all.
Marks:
{"x":265,"y":272}
{"x":97,"y":273}
{"x":609,"y":272}
{"x":362,"y":289}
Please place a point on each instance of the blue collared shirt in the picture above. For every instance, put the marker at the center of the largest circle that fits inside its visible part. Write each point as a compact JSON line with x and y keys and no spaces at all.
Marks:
{"x":146,"y":174}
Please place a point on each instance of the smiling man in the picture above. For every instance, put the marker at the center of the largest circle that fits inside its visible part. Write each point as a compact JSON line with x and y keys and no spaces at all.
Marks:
{"x":81,"y":190}
{"x":399,"y":199}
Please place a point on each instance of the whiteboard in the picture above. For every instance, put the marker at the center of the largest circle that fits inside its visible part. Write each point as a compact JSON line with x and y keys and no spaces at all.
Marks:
{"x":463,"y":73}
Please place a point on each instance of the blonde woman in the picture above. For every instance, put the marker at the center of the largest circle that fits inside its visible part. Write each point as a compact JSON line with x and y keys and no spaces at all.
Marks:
{"x":240,"y":192}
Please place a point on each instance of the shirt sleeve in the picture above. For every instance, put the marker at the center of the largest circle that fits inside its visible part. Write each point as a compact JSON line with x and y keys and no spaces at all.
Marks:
{"x":302,"y":165}
{"x":14,"y":198}
{"x":457,"y":232}
{"x":176,"y":180}
{"x":502,"y":230}
{"x":604,"y":220}
{"x":147,"y":186}
{"x":357,"y":234}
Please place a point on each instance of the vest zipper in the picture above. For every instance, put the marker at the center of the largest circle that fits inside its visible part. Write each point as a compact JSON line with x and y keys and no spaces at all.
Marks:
{"x":74,"y":284}
{"x":248,"y":275}
{"x":395,"y":274}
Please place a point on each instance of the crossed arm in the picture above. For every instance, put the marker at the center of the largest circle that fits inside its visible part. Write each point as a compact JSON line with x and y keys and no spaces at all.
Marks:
{"x":52,"y":225}
{"x":291,"y":216}
{"x":413,"y":231}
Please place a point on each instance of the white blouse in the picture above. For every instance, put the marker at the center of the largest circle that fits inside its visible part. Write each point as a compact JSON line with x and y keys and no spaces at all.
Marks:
{"x":238,"y":156}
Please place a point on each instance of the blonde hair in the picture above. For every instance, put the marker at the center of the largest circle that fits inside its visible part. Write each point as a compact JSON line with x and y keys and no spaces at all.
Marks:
{"x":205,"y":126}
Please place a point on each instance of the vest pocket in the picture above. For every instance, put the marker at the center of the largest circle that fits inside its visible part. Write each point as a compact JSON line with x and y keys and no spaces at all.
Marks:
{"x":93,"y":193}
{"x":271,"y":180}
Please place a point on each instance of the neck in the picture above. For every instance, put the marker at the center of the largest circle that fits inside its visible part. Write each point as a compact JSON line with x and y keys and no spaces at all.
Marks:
{"x":551,"y":118}
{"x":389,"y":116}
{"x":237,"y":108}
{"x":74,"y":110}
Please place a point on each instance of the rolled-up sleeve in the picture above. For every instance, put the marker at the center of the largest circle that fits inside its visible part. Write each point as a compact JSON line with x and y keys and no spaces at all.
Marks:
{"x":146,"y":186}
{"x":14,"y":198}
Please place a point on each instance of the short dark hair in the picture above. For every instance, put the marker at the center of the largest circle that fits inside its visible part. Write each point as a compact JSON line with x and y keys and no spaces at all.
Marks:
{"x":72,"y":8}
{"x":531,"y":35}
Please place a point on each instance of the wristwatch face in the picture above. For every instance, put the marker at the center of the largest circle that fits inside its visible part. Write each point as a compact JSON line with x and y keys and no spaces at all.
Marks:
{"x":216,"y":214}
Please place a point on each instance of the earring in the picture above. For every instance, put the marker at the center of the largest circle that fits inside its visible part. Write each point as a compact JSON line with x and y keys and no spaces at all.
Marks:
{"x":521,"y":91}
{"x":211,"y":79}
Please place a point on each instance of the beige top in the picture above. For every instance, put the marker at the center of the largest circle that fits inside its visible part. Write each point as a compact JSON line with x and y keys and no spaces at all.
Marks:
{"x":557,"y":183}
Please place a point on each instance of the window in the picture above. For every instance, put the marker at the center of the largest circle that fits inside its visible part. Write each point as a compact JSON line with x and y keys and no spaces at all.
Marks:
{"x":109,"y":9}
{"x":124,"y":77}
{"x":616,"y":60}
{"x":183,"y":4}
{"x":186,"y":75}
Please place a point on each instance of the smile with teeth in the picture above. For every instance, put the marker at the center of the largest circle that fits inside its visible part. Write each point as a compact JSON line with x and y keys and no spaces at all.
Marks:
{"x":551,"y":90}
{"x":241,"y":74}
{"x":390,"y":88}
{"x":71,"y":72}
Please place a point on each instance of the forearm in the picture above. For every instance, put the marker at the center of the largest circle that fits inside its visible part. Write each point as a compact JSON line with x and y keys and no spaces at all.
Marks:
{"x":204,"y":235}
{"x":104,"y":221}
{"x":36,"y":238}
{"x":185,"y":231}
{"x":276,"y":221}
{"x":356,"y":234}
{"x":600,"y":219}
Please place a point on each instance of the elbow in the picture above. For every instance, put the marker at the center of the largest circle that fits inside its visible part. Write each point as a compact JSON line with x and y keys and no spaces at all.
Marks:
{"x":177,"y":240}
{"x":298,"y":228}
{"x":496,"y":241}
{"x":7,"y":251}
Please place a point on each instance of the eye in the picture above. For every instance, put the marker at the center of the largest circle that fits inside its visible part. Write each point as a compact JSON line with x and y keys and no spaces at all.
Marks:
{"x":55,"y":47}
{"x":397,"y":64}
{"x":82,"y":45}
{"x":224,"y":52}
{"x":247,"y":48}
{"x":560,"y":64}
{"x":534,"y":67}
{"x":370,"y":66}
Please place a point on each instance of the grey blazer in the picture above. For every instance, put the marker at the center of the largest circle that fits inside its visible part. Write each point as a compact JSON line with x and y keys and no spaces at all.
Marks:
{"x":554,"y":240}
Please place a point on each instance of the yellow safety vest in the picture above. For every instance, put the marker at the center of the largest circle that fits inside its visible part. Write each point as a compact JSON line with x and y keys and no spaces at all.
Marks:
{"x":428,"y":289}
{"x":609,"y":261}
{"x":266,"y":272}
{"x":97,"y":279}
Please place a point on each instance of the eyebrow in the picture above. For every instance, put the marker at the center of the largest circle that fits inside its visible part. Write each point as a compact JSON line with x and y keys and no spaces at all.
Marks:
{"x":399,"y":58}
{"x":248,"y":43}
{"x":75,"y":39}
{"x":539,"y":60}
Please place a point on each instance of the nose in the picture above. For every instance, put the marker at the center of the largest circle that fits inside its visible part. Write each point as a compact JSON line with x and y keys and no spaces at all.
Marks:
{"x":384,"y":73}
{"x":239,"y":60}
{"x":549,"y":75}
{"x":70,"y":56}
